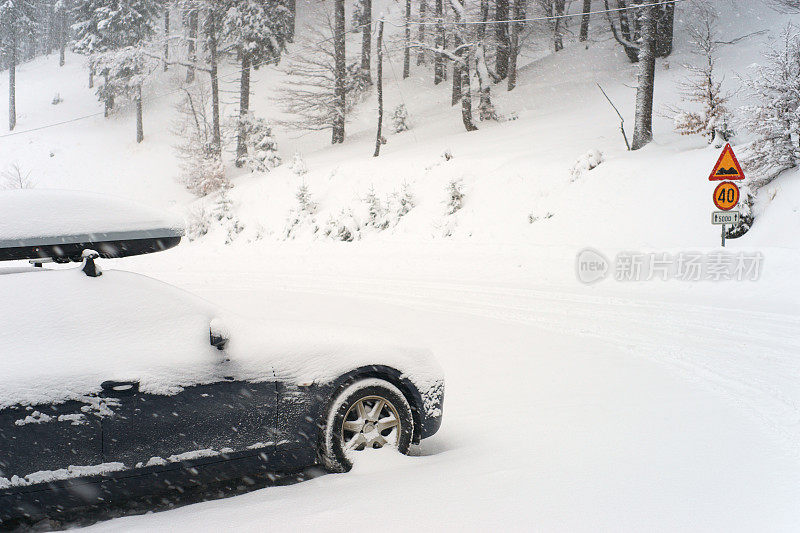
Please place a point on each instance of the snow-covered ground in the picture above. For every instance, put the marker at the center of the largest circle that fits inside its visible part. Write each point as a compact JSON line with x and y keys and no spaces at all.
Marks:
{"x":650,"y":405}
{"x":568,"y":408}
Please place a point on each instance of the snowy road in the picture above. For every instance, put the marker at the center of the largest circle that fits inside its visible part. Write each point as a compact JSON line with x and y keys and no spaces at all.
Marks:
{"x":566,"y":409}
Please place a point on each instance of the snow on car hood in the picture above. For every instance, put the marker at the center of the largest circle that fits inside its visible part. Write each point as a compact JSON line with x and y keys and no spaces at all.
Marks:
{"x":65,"y":333}
{"x":33,"y":217}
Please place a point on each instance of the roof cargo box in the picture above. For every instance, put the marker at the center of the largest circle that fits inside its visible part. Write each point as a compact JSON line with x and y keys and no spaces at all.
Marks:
{"x":39,"y":224}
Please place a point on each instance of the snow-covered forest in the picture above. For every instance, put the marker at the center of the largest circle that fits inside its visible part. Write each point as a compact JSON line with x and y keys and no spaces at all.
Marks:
{"x":236,"y":101}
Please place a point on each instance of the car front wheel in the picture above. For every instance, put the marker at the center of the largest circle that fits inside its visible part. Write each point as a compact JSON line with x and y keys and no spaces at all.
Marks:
{"x":367,"y":414}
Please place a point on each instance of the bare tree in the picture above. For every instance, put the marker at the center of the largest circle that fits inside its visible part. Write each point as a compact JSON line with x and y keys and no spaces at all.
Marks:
{"x":643,"y":127}
{"x":15,"y":177}
{"x":311,"y":93}
{"x":702,"y":86}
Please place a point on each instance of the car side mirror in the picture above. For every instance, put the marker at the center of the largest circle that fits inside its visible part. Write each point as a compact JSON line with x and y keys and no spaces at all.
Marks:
{"x":218,"y":340}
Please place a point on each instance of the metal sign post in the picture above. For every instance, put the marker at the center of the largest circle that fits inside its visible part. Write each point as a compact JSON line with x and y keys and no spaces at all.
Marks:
{"x":726,"y":194}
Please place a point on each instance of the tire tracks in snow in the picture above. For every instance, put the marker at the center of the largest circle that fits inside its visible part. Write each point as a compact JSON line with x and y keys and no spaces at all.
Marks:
{"x":750,"y":357}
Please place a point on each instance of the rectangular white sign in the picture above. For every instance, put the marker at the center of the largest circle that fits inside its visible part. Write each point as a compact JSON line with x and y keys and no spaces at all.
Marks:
{"x":724,"y":217}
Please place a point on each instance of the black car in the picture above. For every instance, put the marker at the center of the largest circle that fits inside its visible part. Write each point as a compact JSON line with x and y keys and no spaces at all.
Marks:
{"x":114,"y":385}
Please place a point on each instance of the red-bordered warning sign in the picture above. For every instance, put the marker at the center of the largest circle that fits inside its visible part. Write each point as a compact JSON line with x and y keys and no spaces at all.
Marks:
{"x":727,"y":167}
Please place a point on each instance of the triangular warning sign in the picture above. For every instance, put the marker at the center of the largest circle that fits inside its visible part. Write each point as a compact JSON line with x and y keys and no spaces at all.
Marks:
{"x":727,"y":167}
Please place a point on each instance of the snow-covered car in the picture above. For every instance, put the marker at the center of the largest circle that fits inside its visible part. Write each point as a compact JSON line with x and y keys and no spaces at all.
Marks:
{"x":113,"y":384}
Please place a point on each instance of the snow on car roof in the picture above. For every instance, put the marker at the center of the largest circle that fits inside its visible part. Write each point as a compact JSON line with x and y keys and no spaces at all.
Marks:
{"x":33,"y":217}
{"x":66,"y":333}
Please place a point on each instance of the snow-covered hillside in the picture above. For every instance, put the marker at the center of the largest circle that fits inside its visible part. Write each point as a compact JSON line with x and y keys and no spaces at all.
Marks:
{"x":644,"y":405}
{"x":515,"y":175}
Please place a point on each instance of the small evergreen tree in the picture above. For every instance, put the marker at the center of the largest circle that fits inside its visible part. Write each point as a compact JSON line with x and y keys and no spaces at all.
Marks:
{"x":261,"y":149}
{"x":400,"y":119}
{"x":102,"y":26}
{"x":298,"y":166}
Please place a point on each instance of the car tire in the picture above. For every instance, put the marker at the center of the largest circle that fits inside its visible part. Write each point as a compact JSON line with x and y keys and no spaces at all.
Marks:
{"x":366,"y":413}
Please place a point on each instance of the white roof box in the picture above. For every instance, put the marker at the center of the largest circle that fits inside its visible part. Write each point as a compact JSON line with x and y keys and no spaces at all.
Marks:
{"x":36,"y":224}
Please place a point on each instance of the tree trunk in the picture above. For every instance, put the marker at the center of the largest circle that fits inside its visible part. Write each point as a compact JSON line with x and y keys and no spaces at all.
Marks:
{"x":665,"y":29}
{"x":166,"y":38}
{"x":139,"y":124}
{"x":486,"y":109}
{"x":192,"y":48}
{"x":423,"y":7}
{"x":292,"y":6}
{"x":340,"y":71}
{"x":379,"y":136}
{"x":62,"y":36}
{"x":91,"y":77}
{"x":519,"y":14}
{"x":12,"y":80}
{"x":212,"y":53}
{"x":587,"y":7}
{"x":558,"y":39}
{"x":455,"y":95}
{"x":438,"y":61}
{"x":244,"y":109}
{"x":366,"y":39}
{"x":643,"y":129}
{"x":51,"y":33}
{"x":109,"y":101}
{"x":407,"y":50}
{"x":501,"y":36}
{"x":629,"y":34}
{"x":466,"y":92}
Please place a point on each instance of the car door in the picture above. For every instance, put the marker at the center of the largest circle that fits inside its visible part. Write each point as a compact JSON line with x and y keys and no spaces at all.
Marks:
{"x":49,"y":437}
{"x":221,"y":418}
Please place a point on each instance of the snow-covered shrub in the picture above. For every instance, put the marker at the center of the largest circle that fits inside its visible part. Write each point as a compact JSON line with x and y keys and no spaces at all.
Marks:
{"x":57,"y":99}
{"x":400,"y":119}
{"x":344,"y":227}
{"x":455,"y":197}
{"x":585,"y":163}
{"x":204,"y":174}
{"x":15,"y":177}
{"x":746,"y":214}
{"x":198,"y":221}
{"x":775,"y":118}
{"x":262,"y":149}
{"x":202,"y":171}
{"x":302,"y":216}
{"x":377,"y":212}
{"x":702,"y":85}
{"x":535,"y":218}
{"x":401,"y":203}
{"x":211,"y":215}
{"x":447,"y":155}
{"x":298,"y":165}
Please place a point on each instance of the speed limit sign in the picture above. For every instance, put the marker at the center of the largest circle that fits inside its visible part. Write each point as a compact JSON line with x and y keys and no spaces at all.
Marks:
{"x":726,"y":196}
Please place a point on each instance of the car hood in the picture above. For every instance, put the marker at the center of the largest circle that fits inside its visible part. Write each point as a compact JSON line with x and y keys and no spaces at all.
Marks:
{"x":66,"y":333}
